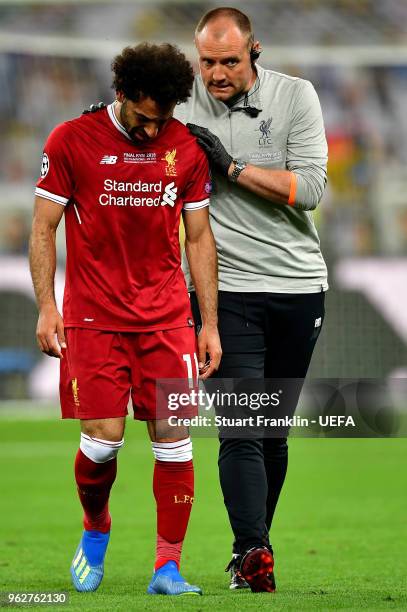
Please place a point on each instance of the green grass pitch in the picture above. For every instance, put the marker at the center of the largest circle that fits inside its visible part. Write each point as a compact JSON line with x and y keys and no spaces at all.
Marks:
{"x":339,"y":534}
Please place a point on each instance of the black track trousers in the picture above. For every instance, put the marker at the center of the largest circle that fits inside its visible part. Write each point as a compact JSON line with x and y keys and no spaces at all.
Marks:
{"x":263,"y":335}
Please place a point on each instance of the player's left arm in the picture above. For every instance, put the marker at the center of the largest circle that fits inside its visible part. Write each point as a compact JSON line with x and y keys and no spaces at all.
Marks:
{"x":203,"y":264}
{"x":303,"y":181}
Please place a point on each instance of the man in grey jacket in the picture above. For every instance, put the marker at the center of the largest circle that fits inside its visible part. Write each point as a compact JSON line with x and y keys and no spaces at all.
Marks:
{"x":264,"y":136}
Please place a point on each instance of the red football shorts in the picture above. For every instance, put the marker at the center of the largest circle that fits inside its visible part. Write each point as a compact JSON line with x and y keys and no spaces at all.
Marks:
{"x":101,"y":369}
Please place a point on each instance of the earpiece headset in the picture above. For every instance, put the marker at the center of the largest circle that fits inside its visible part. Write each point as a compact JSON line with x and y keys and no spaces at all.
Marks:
{"x":255,"y":54}
{"x":250,"y":110}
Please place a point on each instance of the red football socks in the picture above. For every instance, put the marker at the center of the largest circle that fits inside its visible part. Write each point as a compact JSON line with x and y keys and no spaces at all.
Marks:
{"x":173,"y":487}
{"x":94,"y":482}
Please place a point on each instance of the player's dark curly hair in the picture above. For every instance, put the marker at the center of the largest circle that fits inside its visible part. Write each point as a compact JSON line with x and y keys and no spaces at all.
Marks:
{"x":160,"y":72}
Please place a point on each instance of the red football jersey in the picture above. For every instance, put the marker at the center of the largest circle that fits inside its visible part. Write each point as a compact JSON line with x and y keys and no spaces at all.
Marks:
{"x":123,"y":204}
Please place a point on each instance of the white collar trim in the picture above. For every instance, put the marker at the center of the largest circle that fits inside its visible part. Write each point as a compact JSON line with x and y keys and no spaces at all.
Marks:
{"x":115,"y":121}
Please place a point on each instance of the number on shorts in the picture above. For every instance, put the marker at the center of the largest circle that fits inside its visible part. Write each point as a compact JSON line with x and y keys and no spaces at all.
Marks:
{"x":192,"y":380}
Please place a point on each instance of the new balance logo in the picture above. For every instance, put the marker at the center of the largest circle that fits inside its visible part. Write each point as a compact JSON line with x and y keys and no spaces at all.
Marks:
{"x":170,"y":194}
{"x":108,"y":159}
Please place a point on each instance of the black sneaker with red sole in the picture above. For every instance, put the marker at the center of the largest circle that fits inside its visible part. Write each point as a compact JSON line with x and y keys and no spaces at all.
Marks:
{"x":257,"y":569}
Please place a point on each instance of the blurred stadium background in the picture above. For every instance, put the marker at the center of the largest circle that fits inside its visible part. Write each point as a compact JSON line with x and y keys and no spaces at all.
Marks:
{"x":55,"y":61}
{"x":342,"y":516}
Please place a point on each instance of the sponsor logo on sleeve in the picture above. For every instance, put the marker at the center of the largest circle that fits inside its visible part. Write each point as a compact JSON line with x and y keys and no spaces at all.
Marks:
{"x":44,"y":165}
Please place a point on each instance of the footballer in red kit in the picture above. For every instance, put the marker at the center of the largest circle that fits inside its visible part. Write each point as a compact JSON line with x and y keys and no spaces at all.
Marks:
{"x":122,"y":177}
{"x":117,"y":198}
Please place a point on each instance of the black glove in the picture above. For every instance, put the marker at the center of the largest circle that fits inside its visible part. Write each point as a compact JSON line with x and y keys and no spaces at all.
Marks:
{"x":93,"y":108}
{"x":214,"y":149}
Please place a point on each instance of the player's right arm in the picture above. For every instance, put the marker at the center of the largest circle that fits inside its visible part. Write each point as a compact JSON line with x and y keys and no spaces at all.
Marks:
{"x":50,"y":327}
{"x":53,"y":191}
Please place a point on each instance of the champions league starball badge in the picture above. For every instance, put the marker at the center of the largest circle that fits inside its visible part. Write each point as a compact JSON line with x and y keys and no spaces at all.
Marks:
{"x":44,"y":165}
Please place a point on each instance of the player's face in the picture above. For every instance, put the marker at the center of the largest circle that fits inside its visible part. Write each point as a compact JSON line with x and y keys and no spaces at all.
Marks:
{"x":144,"y":119}
{"x":224,"y":60}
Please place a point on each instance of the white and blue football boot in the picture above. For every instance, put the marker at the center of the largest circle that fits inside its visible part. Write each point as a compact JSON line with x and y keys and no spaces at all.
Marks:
{"x":87,"y":565}
{"x":168,"y":581}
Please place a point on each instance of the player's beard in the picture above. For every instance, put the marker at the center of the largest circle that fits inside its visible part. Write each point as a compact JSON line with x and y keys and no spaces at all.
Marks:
{"x":132,"y":131}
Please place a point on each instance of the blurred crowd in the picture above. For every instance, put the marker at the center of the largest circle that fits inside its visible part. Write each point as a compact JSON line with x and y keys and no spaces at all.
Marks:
{"x":364,"y":210}
{"x":304,"y":22}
